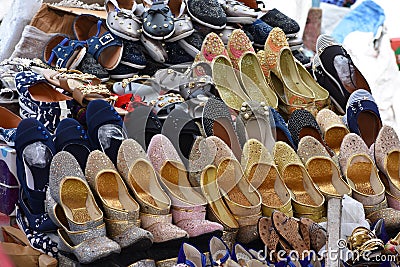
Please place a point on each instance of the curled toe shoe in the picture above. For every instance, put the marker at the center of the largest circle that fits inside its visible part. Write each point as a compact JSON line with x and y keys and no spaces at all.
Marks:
{"x":359,"y":169}
{"x":260,"y":170}
{"x":121,"y":210}
{"x":188,"y":206}
{"x":82,"y":231}
{"x":322,"y":169}
{"x":307,"y":200}
{"x":140,"y":176}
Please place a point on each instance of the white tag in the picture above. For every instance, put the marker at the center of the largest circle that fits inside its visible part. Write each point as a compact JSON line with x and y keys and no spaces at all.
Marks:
{"x":64,"y":110}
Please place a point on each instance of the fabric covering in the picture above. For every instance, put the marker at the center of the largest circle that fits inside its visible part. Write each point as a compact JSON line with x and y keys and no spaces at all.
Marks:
{"x":367,"y":17}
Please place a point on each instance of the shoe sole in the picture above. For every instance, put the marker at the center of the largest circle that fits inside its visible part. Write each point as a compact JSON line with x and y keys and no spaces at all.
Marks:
{"x":241,"y":20}
{"x":179,"y":37}
{"x":190,"y":49}
{"x":78,"y":58}
{"x":119,"y":34}
{"x":122,"y":76}
{"x":158,"y":37}
{"x":133,"y":65}
{"x":205,"y":23}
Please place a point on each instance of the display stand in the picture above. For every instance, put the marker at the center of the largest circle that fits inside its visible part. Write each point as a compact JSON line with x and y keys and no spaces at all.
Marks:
{"x":334,"y":232}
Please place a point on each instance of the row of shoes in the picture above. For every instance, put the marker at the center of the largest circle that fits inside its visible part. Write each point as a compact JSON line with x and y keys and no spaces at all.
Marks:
{"x":278,"y":233}
{"x":118,"y":49}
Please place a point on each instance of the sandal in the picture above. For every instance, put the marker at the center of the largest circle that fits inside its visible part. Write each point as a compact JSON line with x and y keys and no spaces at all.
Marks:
{"x":85,"y":93}
{"x":61,"y":52}
{"x":103,"y":45}
{"x":288,"y":231}
{"x":69,"y":79}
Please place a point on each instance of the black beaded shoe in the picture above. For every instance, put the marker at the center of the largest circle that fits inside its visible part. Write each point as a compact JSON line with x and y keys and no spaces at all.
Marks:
{"x":207,"y":12}
{"x":192,"y":44}
{"x":259,"y":31}
{"x":91,"y":66}
{"x":176,"y":55}
{"x":275,"y":18}
{"x":302,"y":123}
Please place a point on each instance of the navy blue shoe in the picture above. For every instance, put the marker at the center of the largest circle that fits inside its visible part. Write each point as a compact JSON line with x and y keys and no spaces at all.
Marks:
{"x":71,"y":137}
{"x":38,"y":240}
{"x":53,"y":105}
{"x":132,"y":55}
{"x":105,"y":128}
{"x":35,"y":149}
{"x":259,"y":30}
{"x":176,"y":54}
{"x":362,"y":116}
{"x":122,"y":72}
{"x":379,"y":228}
{"x":282,"y":131}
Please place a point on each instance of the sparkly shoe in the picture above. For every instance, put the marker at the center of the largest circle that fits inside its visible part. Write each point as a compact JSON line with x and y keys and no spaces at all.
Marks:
{"x":217,"y":209}
{"x":81,"y":220}
{"x":386,"y":153}
{"x":243,"y":200}
{"x":322,"y":169}
{"x":134,"y":166}
{"x":307,"y":201}
{"x":332,"y":128}
{"x":275,"y":42}
{"x":188,"y":208}
{"x":252,"y":78}
{"x":360,"y":171}
{"x":227,"y":84}
{"x":121,"y":210}
{"x":322,"y":99}
{"x":260,"y":170}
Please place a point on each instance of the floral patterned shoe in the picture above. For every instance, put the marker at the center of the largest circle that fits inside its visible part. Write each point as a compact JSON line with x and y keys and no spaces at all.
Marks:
{"x":275,"y":42}
{"x":8,"y":126}
{"x":359,"y":169}
{"x":141,"y":178}
{"x":291,"y":90}
{"x":238,"y":44}
{"x":212,"y":47}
